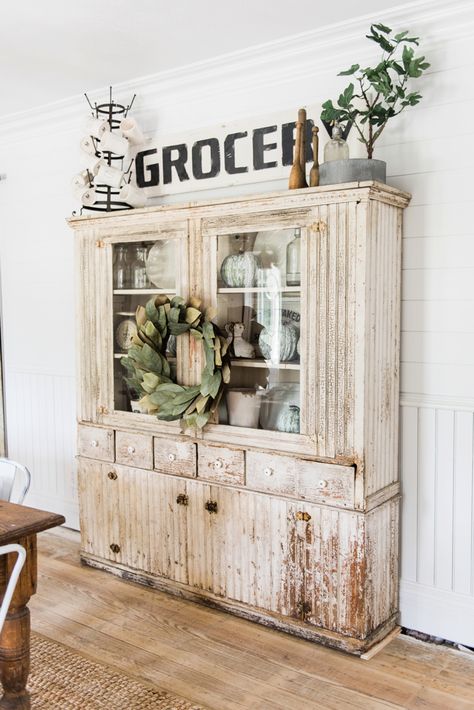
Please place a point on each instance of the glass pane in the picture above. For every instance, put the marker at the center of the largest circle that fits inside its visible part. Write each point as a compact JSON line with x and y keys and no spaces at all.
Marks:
{"x":140,"y":270}
{"x":259,"y":306}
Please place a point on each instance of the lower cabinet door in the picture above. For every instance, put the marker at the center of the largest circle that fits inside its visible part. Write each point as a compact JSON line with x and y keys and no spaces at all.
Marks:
{"x":236,"y":544}
{"x":168,"y":514}
{"x":114,"y":513}
{"x":326,"y":569}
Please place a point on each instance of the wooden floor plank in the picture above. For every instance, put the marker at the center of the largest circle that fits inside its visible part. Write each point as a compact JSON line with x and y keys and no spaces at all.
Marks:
{"x":223,"y":662}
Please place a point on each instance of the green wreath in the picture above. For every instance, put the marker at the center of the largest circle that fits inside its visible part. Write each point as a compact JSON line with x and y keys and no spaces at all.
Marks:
{"x":150,"y":375}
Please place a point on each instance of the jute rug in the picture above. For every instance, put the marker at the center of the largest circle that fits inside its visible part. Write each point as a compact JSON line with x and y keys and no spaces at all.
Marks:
{"x":62,"y":679}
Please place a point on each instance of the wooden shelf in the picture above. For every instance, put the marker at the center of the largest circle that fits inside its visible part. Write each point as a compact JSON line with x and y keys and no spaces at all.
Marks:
{"x":142,"y":291}
{"x":260,"y":289}
{"x":267,"y":364}
{"x":244,"y":362}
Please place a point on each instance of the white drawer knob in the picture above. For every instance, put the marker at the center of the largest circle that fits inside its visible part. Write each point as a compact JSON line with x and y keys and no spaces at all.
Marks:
{"x":171,"y":457}
{"x":218,"y":464}
{"x":323,"y":484}
{"x":94,"y":443}
{"x":268,"y":471}
{"x":131,"y":449}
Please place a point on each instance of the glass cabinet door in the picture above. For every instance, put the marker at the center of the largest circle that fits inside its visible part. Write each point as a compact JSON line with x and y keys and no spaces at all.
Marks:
{"x":140,"y":270}
{"x":259,"y":286}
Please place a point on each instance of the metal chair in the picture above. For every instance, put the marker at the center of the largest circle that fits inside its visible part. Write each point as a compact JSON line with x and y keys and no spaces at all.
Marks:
{"x":15,"y":481}
{"x":20,"y":561}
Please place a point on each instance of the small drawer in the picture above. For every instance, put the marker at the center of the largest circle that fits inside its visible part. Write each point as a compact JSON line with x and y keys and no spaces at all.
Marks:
{"x":176,"y":457}
{"x":134,"y":449}
{"x":95,"y":443}
{"x":275,"y":474}
{"x":326,"y":483}
{"x":216,"y":463}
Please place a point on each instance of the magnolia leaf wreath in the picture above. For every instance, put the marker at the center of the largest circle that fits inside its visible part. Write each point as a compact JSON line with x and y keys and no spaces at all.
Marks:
{"x":149,"y":372}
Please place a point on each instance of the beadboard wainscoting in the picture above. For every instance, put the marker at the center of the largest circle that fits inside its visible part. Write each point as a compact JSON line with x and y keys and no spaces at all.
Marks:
{"x":437,"y":537}
{"x":41,"y":434}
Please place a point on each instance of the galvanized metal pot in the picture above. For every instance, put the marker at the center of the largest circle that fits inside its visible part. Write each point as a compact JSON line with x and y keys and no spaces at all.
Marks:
{"x":352,"y":170}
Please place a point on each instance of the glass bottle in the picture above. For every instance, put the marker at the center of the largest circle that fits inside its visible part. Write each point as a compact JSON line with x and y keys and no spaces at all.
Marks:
{"x":293,"y":260}
{"x":139,"y":277}
{"x":121,"y":267}
{"x":336,"y":148}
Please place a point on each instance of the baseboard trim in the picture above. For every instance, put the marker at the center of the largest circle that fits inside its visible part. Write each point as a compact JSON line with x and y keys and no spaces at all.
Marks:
{"x":448,"y":615}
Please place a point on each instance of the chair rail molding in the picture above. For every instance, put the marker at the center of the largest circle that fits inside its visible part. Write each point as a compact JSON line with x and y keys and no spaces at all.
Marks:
{"x":437,"y":401}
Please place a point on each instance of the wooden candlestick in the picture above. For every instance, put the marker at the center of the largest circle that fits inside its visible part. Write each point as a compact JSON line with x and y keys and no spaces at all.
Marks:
{"x":297,"y":177}
{"x":302,"y":119}
{"x":314,"y":172}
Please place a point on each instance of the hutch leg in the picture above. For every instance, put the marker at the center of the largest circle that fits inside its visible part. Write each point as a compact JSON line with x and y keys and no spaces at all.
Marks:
{"x":15,"y":637}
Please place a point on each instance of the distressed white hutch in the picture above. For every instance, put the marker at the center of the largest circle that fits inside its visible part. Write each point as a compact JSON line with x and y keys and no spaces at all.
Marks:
{"x":295,"y":530}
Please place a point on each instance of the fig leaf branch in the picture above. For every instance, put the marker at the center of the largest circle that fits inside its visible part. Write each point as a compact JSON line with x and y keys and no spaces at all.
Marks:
{"x":379,"y":93}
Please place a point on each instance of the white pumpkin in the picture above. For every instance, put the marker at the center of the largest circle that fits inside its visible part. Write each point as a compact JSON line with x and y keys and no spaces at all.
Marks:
{"x":280,"y":345}
{"x":240,"y":270}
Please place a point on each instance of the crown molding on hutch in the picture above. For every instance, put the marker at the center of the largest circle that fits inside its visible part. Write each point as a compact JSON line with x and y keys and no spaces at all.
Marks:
{"x":276,"y":62}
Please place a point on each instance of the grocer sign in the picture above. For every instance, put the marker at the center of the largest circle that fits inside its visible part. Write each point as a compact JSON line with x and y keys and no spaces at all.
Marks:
{"x":250,"y":151}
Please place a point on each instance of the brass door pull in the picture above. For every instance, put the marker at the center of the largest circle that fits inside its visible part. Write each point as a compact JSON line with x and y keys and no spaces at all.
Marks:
{"x":211,"y":506}
{"x":115,"y":548}
{"x":112,"y":475}
{"x":303,"y":515}
{"x":182,"y":499}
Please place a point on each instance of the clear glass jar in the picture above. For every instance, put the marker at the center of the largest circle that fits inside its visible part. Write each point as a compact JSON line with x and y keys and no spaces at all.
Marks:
{"x":293,"y":260}
{"x":138,"y":274}
{"x":121,"y":267}
{"x":336,"y":148}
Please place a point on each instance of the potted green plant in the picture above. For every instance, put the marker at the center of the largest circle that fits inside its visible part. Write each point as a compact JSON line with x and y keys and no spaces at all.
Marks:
{"x":376,"y":95}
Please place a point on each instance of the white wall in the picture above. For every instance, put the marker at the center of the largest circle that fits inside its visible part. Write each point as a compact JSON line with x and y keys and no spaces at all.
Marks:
{"x":429,"y":151}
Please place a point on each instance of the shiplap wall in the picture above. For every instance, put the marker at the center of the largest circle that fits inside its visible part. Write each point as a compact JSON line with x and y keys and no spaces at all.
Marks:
{"x":429,"y":151}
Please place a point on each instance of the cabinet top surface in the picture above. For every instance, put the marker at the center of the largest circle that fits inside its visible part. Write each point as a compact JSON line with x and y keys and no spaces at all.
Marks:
{"x":305,"y":197}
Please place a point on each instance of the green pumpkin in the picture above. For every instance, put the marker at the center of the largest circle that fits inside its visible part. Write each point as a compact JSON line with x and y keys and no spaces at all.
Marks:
{"x":240,"y":270}
{"x":289,"y":419}
{"x":281,"y":348}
